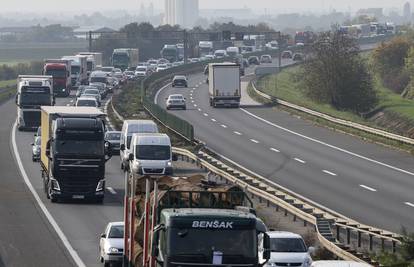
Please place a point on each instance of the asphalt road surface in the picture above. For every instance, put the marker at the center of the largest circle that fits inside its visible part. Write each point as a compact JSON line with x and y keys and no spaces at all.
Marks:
{"x":364,"y":181}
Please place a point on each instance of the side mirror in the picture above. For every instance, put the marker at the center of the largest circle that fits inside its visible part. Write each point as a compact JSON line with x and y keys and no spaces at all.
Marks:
{"x":174,"y":157}
{"x":47,"y":151}
{"x":16,"y":100}
{"x":108,"y":151}
{"x":122,"y":148}
{"x":32,"y":144}
{"x":103,"y":235}
{"x":131,"y":156}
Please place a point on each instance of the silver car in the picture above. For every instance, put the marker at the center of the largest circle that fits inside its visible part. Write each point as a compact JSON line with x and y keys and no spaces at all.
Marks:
{"x":36,"y":149}
{"x":92,"y":93}
{"x":111,"y":244}
{"x":176,"y":101}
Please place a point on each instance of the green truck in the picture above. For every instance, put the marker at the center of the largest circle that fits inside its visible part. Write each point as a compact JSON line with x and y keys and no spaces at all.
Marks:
{"x":125,"y":58}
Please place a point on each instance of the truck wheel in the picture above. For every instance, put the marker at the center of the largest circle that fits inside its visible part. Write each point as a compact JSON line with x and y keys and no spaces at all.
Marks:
{"x":49,"y":195}
{"x":107,"y":264}
{"x":99,"y":200}
{"x":122,"y":165}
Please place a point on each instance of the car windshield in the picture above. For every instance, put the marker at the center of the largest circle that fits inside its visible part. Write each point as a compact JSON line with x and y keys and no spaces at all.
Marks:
{"x":76,"y":147}
{"x":86,"y":103}
{"x":113,"y":136}
{"x":91,"y":91}
{"x":35,"y":96}
{"x":153,"y":152}
{"x":107,"y":69}
{"x":98,"y":79}
{"x":287,"y":245}
{"x":56,"y":73}
{"x":117,"y":231}
{"x":141,"y":69}
{"x":175,"y":97}
{"x":236,"y":243}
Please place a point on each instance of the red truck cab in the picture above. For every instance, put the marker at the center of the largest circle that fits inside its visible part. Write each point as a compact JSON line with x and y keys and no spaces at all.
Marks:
{"x":61,"y":77}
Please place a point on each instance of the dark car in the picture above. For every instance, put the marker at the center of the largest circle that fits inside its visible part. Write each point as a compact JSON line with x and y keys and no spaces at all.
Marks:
{"x":287,"y":54}
{"x":114,"y":138}
{"x":254,"y":60}
{"x":179,"y":80}
{"x":298,"y":57}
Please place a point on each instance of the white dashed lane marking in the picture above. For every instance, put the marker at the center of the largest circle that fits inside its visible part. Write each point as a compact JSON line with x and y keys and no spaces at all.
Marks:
{"x":205,"y":114}
{"x":368,"y":188}
{"x":254,"y":141}
{"x":299,"y":160}
{"x":330,"y":173}
{"x":409,"y":204}
{"x":213,"y":120}
{"x":274,"y":150}
{"x":224,"y":126}
{"x":237,"y":133}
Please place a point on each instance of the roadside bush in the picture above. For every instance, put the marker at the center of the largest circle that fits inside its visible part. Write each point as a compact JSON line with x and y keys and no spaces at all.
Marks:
{"x":9,"y":72}
{"x":337,"y":75}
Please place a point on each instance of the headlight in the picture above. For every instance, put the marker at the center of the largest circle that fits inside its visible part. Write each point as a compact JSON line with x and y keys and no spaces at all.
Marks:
{"x":169,"y":163}
{"x":308,"y":262}
{"x":55,"y":185}
{"x":100,"y":185}
{"x":113,"y":250}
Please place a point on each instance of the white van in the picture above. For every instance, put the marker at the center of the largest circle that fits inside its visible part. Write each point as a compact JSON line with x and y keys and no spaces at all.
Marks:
{"x":151,"y":154}
{"x":128,"y":129}
{"x":232,"y":51}
{"x":220,"y":53}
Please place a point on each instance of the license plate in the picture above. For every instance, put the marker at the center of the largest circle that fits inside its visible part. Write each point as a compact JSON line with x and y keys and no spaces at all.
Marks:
{"x":78,"y":197}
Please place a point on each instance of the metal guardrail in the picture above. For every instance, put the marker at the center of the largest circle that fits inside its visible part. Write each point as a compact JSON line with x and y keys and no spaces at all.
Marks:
{"x":342,"y":122}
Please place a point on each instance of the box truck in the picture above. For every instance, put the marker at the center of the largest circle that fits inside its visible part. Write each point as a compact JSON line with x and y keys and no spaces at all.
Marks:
{"x":224,"y":84}
{"x":125,"y":58}
{"x":60,"y":70}
{"x":73,"y":152}
{"x":33,"y":91}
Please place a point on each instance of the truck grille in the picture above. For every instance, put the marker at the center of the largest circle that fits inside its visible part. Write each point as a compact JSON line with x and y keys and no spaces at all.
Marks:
{"x":153,"y":171}
{"x":31,"y":118}
{"x":79,"y":185}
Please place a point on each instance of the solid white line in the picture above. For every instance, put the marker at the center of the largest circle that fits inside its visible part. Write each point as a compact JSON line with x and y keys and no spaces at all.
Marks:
{"x":159,"y":91}
{"x":205,"y":114}
{"x":42,"y":206}
{"x":328,"y":145}
{"x":409,"y":204}
{"x":299,"y":160}
{"x":254,"y":141}
{"x":213,"y":120}
{"x":368,"y":188}
{"x":111,"y":190}
{"x":237,"y":133}
{"x":330,"y":173}
{"x":274,"y":150}
{"x":224,"y":126}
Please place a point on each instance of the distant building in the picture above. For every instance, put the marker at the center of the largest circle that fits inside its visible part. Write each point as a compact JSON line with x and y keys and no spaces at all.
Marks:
{"x":407,"y":12}
{"x":181,"y":12}
{"x":371,"y":12}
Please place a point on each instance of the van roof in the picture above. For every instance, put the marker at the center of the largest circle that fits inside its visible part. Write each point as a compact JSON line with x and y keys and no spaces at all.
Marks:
{"x":283,"y":234}
{"x":140,"y":126}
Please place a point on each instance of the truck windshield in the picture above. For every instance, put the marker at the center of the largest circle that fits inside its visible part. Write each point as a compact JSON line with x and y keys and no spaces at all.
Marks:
{"x":56,"y":73}
{"x":89,"y":65}
{"x":236,"y":243}
{"x":153,"y":152}
{"x":287,"y":245}
{"x":80,"y":142}
{"x":75,"y":69}
{"x":120,"y":59}
{"x":35,"y":96}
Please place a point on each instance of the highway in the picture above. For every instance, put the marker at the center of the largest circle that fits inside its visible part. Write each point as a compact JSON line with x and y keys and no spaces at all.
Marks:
{"x":366,"y":182}
{"x":81,"y":223}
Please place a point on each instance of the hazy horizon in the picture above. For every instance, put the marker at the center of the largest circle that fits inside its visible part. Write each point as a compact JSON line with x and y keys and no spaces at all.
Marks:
{"x":44,"y":6}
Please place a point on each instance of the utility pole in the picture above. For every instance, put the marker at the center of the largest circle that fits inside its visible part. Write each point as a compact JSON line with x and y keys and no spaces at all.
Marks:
{"x":185,"y":46}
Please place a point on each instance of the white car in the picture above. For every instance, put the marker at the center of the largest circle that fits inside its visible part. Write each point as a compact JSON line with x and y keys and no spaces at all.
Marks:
{"x":175,"y":101}
{"x":111,"y":244}
{"x":288,"y":249}
{"x":209,"y":57}
{"x":86,"y":102}
{"x":161,"y":67}
{"x":141,"y":71}
{"x":92,"y":93}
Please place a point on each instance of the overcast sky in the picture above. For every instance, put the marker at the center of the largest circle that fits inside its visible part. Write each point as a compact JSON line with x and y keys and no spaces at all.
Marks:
{"x":283,"y":5}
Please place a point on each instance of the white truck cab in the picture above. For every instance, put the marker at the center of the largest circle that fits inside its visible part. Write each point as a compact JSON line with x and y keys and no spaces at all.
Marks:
{"x":128,"y":129}
{"x":150,"y":154}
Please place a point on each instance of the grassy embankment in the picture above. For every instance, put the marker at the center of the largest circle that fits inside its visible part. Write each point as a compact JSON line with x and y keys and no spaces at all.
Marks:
{"x":287,"y":86}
